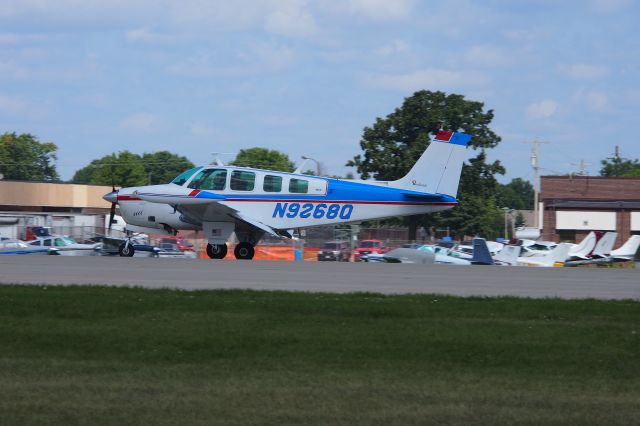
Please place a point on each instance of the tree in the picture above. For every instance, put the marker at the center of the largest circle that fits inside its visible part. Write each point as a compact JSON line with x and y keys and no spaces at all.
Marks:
{"x":620,"y":167}
{"x":163,"y":166}
{"x":121,"y":169}
{"x":393,"y":144}
{"x":129,"y":169}
{"x":263,"y":158}
{"x":23,"y":157}
{"x":517,"y":195}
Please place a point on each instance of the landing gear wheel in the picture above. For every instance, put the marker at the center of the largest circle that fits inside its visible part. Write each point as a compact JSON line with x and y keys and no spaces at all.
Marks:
{"x":126,"y":250}
{"x":244,"y":251}
{"x":216,"y":251}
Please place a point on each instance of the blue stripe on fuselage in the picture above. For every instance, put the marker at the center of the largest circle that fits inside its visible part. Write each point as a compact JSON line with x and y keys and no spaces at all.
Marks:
{"x":340,"y":190}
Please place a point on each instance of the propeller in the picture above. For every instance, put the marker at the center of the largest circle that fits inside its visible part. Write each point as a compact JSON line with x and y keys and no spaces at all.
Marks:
{"x":112,"y":197}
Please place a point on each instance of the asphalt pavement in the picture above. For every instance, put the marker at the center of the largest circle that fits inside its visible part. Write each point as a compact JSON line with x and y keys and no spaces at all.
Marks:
{"x":197,"y":274}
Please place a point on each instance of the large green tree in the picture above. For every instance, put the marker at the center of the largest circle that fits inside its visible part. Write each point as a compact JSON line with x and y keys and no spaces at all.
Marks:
{"x":263,"y":158}
{"x":517,"y":194}
{"x":620,"y":167}
{"x":393,"y":144}
{"x":122,"y":169}
{"x":128,"y":169}
{"x":163,"y":166}
{"x":23,"y":157}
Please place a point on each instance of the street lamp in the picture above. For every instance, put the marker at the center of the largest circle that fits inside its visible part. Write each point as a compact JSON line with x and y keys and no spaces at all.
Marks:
{"x":319,"y":170}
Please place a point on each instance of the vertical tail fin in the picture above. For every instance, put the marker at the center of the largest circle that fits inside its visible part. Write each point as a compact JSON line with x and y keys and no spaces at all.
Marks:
{"x":481,"y":255}
{"x":438,"y":170}
{"x":605,"y":245}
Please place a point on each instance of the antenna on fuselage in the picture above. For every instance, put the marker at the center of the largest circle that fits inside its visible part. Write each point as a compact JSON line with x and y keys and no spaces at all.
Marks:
{"x":216,"y":158}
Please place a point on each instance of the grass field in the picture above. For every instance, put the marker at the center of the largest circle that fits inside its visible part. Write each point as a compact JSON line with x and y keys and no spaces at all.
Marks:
{"x":92,"y":355}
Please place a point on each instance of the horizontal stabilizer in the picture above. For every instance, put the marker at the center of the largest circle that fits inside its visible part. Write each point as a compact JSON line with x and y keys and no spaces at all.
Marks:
{"x":423,"y":197}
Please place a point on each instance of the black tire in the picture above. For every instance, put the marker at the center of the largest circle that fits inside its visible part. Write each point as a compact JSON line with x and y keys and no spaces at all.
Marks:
{"x":244,"y":251}
{"x":126,"y":250}
{"x":216,"y":251}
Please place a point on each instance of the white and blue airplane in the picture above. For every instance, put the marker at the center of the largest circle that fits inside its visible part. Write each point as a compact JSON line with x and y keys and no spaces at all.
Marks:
{"x":220,"y":200}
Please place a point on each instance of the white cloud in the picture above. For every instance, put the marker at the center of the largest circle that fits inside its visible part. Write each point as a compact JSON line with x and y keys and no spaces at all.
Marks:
{"x":292,"y":19}
{"x":200,"y":130}
{"x":542,"y":109}
{"x":145,"y":35}
{"x":14,"y":38}
{"x":431,"y":79}
{"x":597,"y":101}
{"x":584,"y":72}
{"x":272,"y":56}
{"x":487,"y":56}
{"x":381,"y":10}
{"x":139,"y":121}
{"x":594,"y":100}
{"x":610,"y":6}
{"x":396,"y":46}
{"x":13,"y":105}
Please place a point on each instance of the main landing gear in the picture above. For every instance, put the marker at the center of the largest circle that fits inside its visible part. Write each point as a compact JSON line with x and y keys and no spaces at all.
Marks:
{"x":216,"y":251}
{"x":242,"y":251}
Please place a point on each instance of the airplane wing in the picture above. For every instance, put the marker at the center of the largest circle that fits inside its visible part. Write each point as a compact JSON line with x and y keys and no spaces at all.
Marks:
{"x":257,"y":224}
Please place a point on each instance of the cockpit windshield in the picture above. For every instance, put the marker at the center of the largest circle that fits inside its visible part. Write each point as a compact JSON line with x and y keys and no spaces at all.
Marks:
{"x":184,"y":177}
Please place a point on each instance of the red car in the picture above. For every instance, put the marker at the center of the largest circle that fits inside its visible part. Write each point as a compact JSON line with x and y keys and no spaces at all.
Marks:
{"x":368,"y":247}
{"x":176,"y":244}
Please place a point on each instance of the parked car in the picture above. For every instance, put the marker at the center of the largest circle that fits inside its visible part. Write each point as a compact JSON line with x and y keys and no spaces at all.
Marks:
{"x":335,"y":250}
{"x":175,"y":243}
{"x":367,"y":247}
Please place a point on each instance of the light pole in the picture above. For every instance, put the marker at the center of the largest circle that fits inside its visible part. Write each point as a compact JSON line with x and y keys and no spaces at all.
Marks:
{"x":319,"y":170}
{"x":506,"y":228}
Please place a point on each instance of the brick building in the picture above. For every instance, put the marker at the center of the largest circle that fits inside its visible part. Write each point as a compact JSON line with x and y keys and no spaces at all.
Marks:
{"x":573,"y":206}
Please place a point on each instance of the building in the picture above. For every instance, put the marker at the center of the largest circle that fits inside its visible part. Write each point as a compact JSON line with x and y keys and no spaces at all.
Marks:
{"x":71,"y":209}
{"x":573,"y":206}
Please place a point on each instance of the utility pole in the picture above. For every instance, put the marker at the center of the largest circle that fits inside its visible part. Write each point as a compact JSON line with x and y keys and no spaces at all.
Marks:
{"x":535,"y":164}
{"x":582,"y":167}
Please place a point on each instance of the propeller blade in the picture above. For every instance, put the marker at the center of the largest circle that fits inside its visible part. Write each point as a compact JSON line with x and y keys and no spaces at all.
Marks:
{"x":112,"y":211}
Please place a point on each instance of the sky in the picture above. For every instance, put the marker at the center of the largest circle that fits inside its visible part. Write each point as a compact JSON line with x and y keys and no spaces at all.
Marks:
{"x":196,"y":77}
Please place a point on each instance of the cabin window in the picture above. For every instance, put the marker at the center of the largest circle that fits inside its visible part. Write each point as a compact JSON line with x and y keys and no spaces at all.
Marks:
{"x":298,"y":186}
{"x":183,"y":177}
{"x":272,"y":183}
{"x":242,"y":180}
{"x":47,"y":243}
{"x":210,"y":180}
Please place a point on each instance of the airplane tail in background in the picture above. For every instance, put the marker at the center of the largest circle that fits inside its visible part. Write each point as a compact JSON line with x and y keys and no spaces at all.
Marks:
{"x":438,"y":170}
{"x":481,"y":254}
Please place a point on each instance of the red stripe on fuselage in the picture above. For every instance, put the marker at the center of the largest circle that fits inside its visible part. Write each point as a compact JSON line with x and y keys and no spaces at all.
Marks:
{"x":399,"y":203}
{"x":128,"y":198}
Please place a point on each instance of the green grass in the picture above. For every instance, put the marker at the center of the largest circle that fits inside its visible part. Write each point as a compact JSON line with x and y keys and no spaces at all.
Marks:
{"x":92,"y":355}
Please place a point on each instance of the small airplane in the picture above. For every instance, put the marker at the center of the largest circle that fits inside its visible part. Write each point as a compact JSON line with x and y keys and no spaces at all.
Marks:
{"x":220,"y":200}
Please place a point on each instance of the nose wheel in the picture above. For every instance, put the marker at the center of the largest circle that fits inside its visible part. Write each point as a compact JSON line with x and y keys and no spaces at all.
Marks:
{"x":244,"y":251}
{"x":216,"y":251}
{"x":126,"y":249}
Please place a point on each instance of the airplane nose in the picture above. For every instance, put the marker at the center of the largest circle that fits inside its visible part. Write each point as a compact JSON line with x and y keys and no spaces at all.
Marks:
{"x":111,"y":197}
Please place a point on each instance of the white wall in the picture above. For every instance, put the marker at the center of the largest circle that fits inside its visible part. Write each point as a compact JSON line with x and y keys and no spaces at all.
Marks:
{"x":587,"y":221}
{"x":635,"y":221}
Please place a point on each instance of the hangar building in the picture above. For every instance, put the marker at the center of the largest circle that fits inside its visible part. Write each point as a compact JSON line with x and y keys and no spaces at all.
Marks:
{"x":67,"y":208}
{"x":573,"y":206}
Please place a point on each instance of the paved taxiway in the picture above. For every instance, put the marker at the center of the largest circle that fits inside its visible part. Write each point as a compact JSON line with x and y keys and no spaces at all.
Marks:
{"x":195,"y":274}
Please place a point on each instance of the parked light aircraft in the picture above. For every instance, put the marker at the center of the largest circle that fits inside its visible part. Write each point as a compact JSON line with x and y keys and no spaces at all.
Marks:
{"x":222,"y":199}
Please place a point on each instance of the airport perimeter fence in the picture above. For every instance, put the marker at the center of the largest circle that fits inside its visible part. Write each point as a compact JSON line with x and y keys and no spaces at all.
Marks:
{"x":304,"y":246}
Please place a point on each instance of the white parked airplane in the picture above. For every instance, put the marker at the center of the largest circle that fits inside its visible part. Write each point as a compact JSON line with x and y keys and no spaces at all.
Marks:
{"x":556,"y":256}
{"x":221,"y":199}
{"x":628,"y":250}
